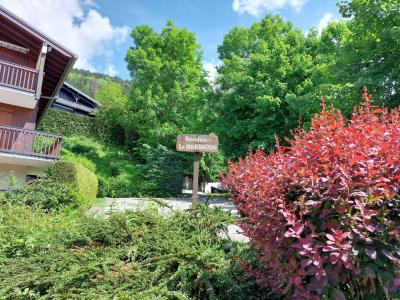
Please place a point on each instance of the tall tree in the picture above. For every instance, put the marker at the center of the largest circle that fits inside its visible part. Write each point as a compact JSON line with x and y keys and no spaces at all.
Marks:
{"x":370,"y":54}
{"x":169,"y":86}
{"x":262,"y":65}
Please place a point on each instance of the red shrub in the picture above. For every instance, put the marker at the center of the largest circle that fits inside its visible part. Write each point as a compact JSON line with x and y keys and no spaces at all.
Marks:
{"x":323,"y":213}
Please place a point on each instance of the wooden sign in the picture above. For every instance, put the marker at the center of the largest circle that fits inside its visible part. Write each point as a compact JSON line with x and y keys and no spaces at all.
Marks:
{"x":197,"y":143}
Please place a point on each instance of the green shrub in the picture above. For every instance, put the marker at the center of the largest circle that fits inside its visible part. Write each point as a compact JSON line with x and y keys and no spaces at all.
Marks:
{"x":103,"y":189}
{"x":122,"y":186}
{"x":44,"y":194}
{"x":84,"y":161}
{"x":114,"y":167}
{"x":132,"y":255}
{"x":81,"y":180}
{"x":162,"y":172}
{"x":68,"y":124}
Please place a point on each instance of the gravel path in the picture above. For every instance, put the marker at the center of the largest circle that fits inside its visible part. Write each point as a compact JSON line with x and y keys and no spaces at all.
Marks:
{"x":182,"y":203}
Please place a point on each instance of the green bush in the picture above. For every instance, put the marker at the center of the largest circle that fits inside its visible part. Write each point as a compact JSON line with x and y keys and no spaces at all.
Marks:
{"x":81,"y":180}
{"x":122,"y":186}
{"x":162,"y":172}
{"x":116,"y":170}
{"x":132,"y":255}
{"x":68,"y":124}
{"x":44,"y":194}
{"x":84,"y":161}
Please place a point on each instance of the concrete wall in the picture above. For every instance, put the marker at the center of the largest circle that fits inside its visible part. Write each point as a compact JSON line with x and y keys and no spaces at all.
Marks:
{"x":7,"y":170}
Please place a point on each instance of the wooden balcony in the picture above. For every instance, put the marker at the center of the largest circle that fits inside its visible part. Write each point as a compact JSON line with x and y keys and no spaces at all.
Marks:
{"x":29,"y":142}
{"x":18,"y":77}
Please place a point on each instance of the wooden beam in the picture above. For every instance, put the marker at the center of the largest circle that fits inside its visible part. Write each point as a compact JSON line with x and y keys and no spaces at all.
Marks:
{"x":13,"y":47}
{"x":40,"y":68}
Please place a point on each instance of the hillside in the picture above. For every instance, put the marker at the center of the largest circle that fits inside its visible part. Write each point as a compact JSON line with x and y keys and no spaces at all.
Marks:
{"x":90,"y":82}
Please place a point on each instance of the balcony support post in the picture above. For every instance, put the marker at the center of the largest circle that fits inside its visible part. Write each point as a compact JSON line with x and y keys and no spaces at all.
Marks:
{"x":40,"y":68}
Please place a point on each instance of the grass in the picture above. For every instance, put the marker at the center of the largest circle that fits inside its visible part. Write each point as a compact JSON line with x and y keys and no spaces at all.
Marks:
{"x":105,"y":159}
{"x":116,"y":170}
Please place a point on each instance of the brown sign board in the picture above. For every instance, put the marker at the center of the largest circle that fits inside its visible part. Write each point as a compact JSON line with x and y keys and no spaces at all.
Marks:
{"x":197,"y":143}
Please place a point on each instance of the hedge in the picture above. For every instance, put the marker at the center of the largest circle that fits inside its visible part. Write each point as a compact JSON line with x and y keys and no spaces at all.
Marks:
{"x":323,"y":212}
{"x":162,"y":172}
{"x":67,"y":124}
{"x":80,"y":179}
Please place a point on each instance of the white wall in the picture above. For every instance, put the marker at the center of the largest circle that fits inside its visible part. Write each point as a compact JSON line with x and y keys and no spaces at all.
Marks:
{"x":7,"y":170}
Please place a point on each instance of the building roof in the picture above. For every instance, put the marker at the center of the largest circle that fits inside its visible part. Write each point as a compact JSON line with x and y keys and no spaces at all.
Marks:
{"x":59,"y":60}
{"x":72,"y":100}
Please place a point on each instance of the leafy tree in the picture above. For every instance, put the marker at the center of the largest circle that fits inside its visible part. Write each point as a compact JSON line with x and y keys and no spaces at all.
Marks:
{"x":168,"y":94}
{"x":261,"y":66}
{"x":113,"y":112}
{"x":369,"y":54}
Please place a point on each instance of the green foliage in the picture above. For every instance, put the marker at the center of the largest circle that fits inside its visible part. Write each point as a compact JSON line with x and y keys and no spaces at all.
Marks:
{"x":78,"y":178}
{"x":272,"y":75}
{"x":44,"y":194}
{"x":261,"y":65}
{"x":67,"y":124}
{"x":211,"y":165}
{"x":115,"y":168}
{"x":161,"y":173}
{"x":369,"y":52}
{"x":91,"y":83}
{"x":133,"y":255}
{"x":80,"y":158}
{"x":113,"y":114}
{"x":168,"y":93}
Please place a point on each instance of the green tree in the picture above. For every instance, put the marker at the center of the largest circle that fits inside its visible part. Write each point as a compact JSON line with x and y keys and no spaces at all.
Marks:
{"x":168,"y":96}
{"x":262,"y":65}
{"x":327,"y":75}
{"x":114,"y":111}
{"x":370,"y":53}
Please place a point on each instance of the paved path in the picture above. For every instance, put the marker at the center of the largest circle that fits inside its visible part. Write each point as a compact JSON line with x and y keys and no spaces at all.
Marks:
{"x":182,"y":203}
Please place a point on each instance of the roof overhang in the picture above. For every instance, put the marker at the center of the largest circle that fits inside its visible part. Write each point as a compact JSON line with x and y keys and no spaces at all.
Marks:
{"x":59,"y":61}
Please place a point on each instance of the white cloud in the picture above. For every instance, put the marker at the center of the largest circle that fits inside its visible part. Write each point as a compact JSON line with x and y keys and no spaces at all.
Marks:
{"x":111,"y":70}
{"x":258,"y":7}
{"x":211,"y":69}
{"x":75,"y":24}
{"x":325,"y":20}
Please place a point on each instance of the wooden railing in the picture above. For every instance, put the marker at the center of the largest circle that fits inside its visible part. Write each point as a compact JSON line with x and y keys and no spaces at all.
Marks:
{"x":17,"y":76}
{"x":29,"y":142}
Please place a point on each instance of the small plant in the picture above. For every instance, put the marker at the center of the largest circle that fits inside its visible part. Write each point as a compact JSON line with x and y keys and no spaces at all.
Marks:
{"x":324,"y":212}
{"x":13,"y":182}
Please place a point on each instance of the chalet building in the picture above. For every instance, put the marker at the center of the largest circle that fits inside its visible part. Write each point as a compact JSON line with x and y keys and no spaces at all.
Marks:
{"x":32,"y":72}
{"x":74,"y":101}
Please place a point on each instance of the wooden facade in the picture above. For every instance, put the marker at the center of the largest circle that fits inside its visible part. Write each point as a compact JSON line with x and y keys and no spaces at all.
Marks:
{"x":19,"y":117}
{"x":32,"y":66}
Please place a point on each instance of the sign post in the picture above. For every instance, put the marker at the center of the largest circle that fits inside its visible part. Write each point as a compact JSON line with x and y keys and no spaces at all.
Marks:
{"x":196,"y":167}
{"x":197,"y":144}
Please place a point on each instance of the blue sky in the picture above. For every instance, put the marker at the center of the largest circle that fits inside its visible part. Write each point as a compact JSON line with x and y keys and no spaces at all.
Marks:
{"x":98,"y":30}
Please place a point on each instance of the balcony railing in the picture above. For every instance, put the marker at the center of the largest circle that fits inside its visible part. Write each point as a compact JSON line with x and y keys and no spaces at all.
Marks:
{"x":18,"y":77}
{"x":29,"y":142}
